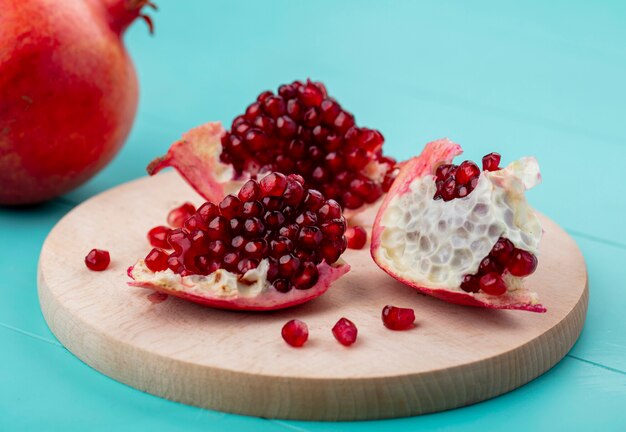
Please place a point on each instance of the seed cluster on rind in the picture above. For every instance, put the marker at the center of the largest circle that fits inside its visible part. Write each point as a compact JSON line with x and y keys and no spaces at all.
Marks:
{"x":302,"y":130}
{"x":274,"y":218}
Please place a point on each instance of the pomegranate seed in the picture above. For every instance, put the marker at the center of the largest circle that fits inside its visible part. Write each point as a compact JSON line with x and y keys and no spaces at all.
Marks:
{"x":250,"y":191}
{"x":306,"y":277}
{"x":489,"y":265}
{"x":466,"y":171}
{"x":343,"y":121}
{"x":286,"y":127}
{"x":282,"y":285}
{"x":207,"y":211}
{"x":281,"y":246}
{"x":156,"y":260}
{"x":313,"y":200}
{"x":330,"y":210}
{"x":307,"y":218}
{"x":230,"y":261}
{"x":470,"y":284}
{"x":236,"y":225}
{"x":329,"y":110}
{"x":217,"y":248}
{"x":310,"y":95}
{"x":290,"y":231}
{"x":230,"y":206}
{"x":491,"y":162}
{"x":522,"y":263}
{"x":330,"y":251}
{"x":264,"y":95}
{"x":295,"y":109}
{"x":157,"y":237}
{"x":311,"y":118}
{"x":274,"y":106}
{"x":357,"y":237}
{"x":97,"y":260}
{"x":177,"y":216}
{"x":502,"y":251}
{"x":345,"y":332}
{"x":352,"y":201}
{"x":492,"y":283}
{"x":253,"y":227}
{"x":288,"y":265}
{"x":356,"y":159}
{"x":252,"y":208}
{"x":295,"y":333}
{"x":293,"y":194}
{"x":396,"y":318}
{"x":219,"y":228}
{"x":274,"y":219}
{"x":238,"y":242}
{"x":256,"y":248}
{"x":246,"y":265}
{"x":334,"y":228}
{"x":273,"y":184}
{"x":310,"y":237}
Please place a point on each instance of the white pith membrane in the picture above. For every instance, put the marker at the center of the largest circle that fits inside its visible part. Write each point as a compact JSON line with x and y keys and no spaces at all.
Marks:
{"x":197,"y":158}
{"x":228,"y":290}
{"x":434,"y":243}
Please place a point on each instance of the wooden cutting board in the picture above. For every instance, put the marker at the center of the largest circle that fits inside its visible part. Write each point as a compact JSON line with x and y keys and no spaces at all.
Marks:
{"x":237,"y":362}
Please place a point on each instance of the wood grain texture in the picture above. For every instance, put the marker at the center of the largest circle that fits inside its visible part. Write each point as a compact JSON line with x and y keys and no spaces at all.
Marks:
{"x":237,"y":362}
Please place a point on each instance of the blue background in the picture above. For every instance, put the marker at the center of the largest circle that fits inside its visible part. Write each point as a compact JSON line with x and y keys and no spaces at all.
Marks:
{"x":538,"y":78}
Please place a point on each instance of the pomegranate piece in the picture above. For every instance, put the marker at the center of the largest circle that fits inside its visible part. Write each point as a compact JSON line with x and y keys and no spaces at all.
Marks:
{"x":356,"y":236}
{"x":260,"y":249}
{"x":396,"y":318}
{"x":97,"y":260}
{"x":345,"y":332}
{"x":299,"y":130}
{"x":459,"y":234}
{"x":157,"y":237}
{"x":177,"y":216}
{"x":295,"y":333}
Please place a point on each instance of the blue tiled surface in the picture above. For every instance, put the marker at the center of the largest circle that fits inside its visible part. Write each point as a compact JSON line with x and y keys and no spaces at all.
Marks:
{"x":541,"y":78}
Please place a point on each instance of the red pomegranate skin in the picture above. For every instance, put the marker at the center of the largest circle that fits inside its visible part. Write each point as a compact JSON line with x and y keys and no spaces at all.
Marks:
{"x":68,"y":93}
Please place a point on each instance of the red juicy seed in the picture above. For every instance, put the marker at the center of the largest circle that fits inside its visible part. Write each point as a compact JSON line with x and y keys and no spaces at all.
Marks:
{"x":351,"y":200}
{"x":282,"y":285}
{"x":218,"y":228}
{"x":179,"y":240}
{"x":357,"y":237}
{"x":310,"y":95}
{"x":265,"y":124}
{"x":274,"y":219}
{"x":288,"y":265}
{"x":176,"y":217}
{"x":252,"y":208}
{"x":284,"y":164}
{"x":470,"y":284}
{"x":345,"y":332}
{"x":329,"y":110}
{"x":333,"y":142}
{"x":156,"y":260}
{"x":319,"y":134}
{"x":273,"y":184}
{"x":272,"y":203}
{"x":466,"y":171}
{"x":522,"y":263}
{"x":311,"y":118}
{"x":205,"y":265}
{"x":247,"y":264}
{"x":491,"y":162}
{"x":331,"y":250}
{"x":295,"y":333}
{"x":274,"y":106}
{"x":306,"y":277}
{"x":448,"y":189}
{"x":157,"y":237}
{"x":334,"y":228}
{"x":256,"y":140}
{"x":294,"y":192}
{"x":296,"y":177}
{"x":236,"y":225}
{"x":230,"y":261}
{"x":207,"y":211}
{"x":253,"y":227}
{"x":343,"y":121}
{"x":334,"y":162}
{"x":489,"y":265}
{"x":356,"y":159}
{"x":363,"y":187}
{"x":396,"y":318}
{"x":492,"y":284}
{"x":97,"y":260}
{"x":310,"y":237}
{"x":264,"y":95}
{"x":250,"y":191}
{"x":217,"y":248}
{"x":252,"y":111}
{"x":193,"y":222}
{"x":330,"y":210}
{"x":502,"y":251}
{"x":313,"y":199}
{"x":238,"y":242}
{"x":307,"y":218}
{"x":286,"y":127}
{"x":175,"y":264}
{"x":290,"y":231}
{"x":295,"y":109}
{"x":281,"y":246}
{"x":230,"y":206}
{"x":371,"y":140}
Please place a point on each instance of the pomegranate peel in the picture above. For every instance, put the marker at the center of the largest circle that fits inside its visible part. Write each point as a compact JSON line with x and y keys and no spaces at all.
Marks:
{"x":222,"y":290}
{"x":196,"y":158}
{"x":432,"y":244}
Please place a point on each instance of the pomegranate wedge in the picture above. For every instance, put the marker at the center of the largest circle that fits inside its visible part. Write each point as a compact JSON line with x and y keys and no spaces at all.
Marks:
{"x":274,"y":245}
{"x":299,"y":130}
{"x":458,"y":233}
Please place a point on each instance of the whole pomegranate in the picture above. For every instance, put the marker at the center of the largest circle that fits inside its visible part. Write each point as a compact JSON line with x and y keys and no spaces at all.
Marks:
{"x":68,"y":92}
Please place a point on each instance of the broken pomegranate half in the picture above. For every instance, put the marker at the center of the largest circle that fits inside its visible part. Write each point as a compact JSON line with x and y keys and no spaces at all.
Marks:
{"x":299,"y":130}
{"x":458,"y":233}
{"x":273,"y":245}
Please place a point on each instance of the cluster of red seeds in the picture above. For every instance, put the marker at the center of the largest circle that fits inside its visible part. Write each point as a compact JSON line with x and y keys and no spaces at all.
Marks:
{"x":302,"y":130}
{"x":503,"y":257}
{"x":275,"y":218}
{"x":458,"y":181}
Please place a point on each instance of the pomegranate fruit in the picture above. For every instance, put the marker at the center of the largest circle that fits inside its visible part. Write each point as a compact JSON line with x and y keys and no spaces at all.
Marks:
{"x":396,"y":318}
{"x":273,"y":245}
{"x":356,"y":236}
{"x":97,"y":260}
{"x":458,"y":233}
{"x":68,"y":92}
{"x":299,"y":130}
{"x":345,"y":332}
{"x":295,"y":333}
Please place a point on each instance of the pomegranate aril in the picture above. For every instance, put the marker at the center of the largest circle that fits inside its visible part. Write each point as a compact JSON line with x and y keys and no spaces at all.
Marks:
{"x":489,"y":265}
{"x":448,"y":189}
{"x":313,"y":200}
{"x":351,"y":200}
{"x":330,"y":251}
{"x":345,"y":332}
{"x":97,"y":260}
{"x":522,"y":263}
{"x":219,"y":228}
{"x":253,"y":227}
{"x":236,"y":225}
{"x":306,"y":277}
{"x":207,"y":211}
{"x":295,"y":109}
{"x":502,"y":251}
{"x":217,"y":248}
{"x":356,"y":237}
{"x":396,"y":318}
{"x":250,"y":191}
{"x":356,"y":159}
{"x":281,"y":246}
{"x":256,"y":248}
{"x":273,"y":184}
{"x":251,"y":208}
{"x":274,"y":106}
{"x":290,"y":231}
{"x":334,"y":228}
{"x":466,"y":171}
{"x":311,"y":118}
{"x":470,"y":283}
{"x":282,"y":285}
{"x":492,"y":283}
{"x":247,"y":264}
{"x":310,"y":95}
{"x":175,"y":264}
{"x":310,"y":237}
{"x":343,"y":121}
{"x":230,"y":206}
{"x":293,"y":194}
{"x":157,"y":237}
{"x":295,"y":333}
{"x":329,"y":110}
{"x":288,"y":265}
{"x":491,"y":162}
{"x":179,"y":240}
{"x":177,"y":216}
{"x":307,"y":218}
{"x":264,"y":95}
{"x":230,"y":261}
{"x":329,"y":210}
{"x":156,"y":260}
{"x":272,"y":203}
{"x":252,"y":111}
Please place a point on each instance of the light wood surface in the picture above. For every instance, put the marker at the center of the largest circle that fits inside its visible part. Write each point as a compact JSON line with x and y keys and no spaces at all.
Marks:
{"x":237,"y":362}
